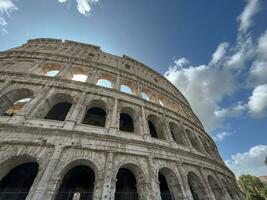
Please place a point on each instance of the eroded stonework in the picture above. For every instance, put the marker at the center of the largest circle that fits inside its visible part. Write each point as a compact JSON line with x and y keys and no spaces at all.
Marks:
{"x":180,"y":149}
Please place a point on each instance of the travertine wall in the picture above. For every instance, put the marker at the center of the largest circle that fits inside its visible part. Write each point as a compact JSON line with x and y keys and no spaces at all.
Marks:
{"x":57,"y":146}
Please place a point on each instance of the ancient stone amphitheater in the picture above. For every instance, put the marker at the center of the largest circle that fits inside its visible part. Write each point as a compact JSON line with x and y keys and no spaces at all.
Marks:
{"x":79,"y":124}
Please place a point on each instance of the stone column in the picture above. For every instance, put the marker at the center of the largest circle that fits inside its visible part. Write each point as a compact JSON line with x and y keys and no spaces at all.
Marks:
{"x":114,"y":117}
{"x":187,"y":141}
{"x":41,"y":99}
{"x":75,"y":111}
{"x":35,"y":66}
{"x":64,"y":71}
{"x":117,"y":83}
{"x":138,"y":89}
{"x":206,"y":183}
{"x":167,"y":129}
{"x":199,"y":142}
{"x":226,"y":195}
{"x":154,"y":183}
{"x":145,"y":131}
{"x":92,"y":77}
{"x":187,"y":192}
{"x":107,"y":179}
{"x":42,"y":188}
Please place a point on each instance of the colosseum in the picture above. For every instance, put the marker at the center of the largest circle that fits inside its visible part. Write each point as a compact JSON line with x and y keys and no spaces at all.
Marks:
{"x":79,"y":124}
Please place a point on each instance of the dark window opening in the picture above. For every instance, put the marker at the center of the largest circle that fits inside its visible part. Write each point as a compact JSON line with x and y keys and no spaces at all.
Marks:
{"x":95,"y":116}
{"x":217,"y":191}
{"x":78,"y":183}
{"x":173,"y":136}
{"x":196,"y":187}
{"x":17,"y":183}
{"x":152,"y":129}
{"x":164,"y":189}
{"x":126,"y":123}
{"x":193,"y":192}
{"x":59,"y":111}
{"x":126,"y":185}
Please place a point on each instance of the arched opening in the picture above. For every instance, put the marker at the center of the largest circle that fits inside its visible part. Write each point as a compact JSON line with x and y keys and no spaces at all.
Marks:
{"x":163,"y":100}
{"x":126,"y":89}
{"x":164,"y":188}
{"x":78,"y":74}
{"x":152,"y":129}
{"x":78,"y":184}
{"x":104,"y":83}
{"x":155,"y":127}
{"x":79,"y":77}
{"x":14,"y":100}
{"x":59,"y":111}
{"x":170,"y":188}
{"x":95,"y":116}
{"x":48,"y":69}
{"x":177,"y":133}
{"x":17,"y":183}
{"x":126,"y":185}
{"x":196,"y":187}
{"x":217,"y":191}
{"x":126,"y":123}
{"x":228,"y":189}
{"x":144,"y":96}
{"x":193,"y":140}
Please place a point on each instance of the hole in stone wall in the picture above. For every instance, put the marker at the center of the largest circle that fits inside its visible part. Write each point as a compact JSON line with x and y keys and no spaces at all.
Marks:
{"x":79,"y":77}
{"x":14,"y":100}
{"x":152,"y":129}
{"x":17,"y":183}
{"x":16,"y":107}
{"x":52,"y":73}
{"x":126,"y":89}
{"x":193,"y":140}
{"x":177,"y":133}
{"x":95,"y":116}
{"x":126,"y":123}
{"x":104,"y":83}
{"x":196,"y":187}
{"x":126,"y":185}
{"x":48,"y":69}
{"x":164,"y":189}
{"x":145,"y":96}
{"x":217,"y":191}
{"x":59,"y":111}
{"x":77,"y":184}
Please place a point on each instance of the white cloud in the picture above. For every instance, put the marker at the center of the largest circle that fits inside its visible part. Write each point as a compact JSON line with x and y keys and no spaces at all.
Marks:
{"x":250,"y":162}
{"x":252,"y":7}
{"x":6,"y":8}
{"x":219,"y":53}
{"x":83,"y":6}
{"x":221,"y":136}
{"x":257,"y":103}
{"x":206,"y":86}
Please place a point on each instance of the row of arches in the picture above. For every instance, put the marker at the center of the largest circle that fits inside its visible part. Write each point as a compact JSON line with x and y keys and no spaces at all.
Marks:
{"x":79,"y":183}
{"x":107,"y":80}
{"x":60,"y":106}
{"x":104,"y":79}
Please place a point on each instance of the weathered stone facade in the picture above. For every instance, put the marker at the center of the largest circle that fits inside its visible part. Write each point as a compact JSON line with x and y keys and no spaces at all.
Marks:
{"x":182,"y":152}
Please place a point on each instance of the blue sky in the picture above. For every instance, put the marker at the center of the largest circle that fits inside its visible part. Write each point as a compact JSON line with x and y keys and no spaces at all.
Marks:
{"x":214,"y":51}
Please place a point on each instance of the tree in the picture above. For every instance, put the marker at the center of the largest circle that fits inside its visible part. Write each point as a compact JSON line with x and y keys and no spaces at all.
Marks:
{"x":253,"y":187}
{"x":264,"y":191}
{"x":265,"y":161}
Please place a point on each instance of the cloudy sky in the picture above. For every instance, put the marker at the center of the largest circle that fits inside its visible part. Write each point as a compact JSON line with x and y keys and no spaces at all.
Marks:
{"x":213,"y":51}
